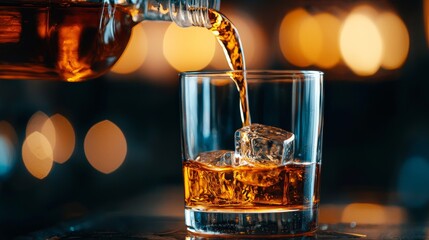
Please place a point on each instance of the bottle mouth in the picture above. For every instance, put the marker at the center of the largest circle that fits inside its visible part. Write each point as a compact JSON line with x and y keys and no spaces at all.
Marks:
{"x":186,"y":13}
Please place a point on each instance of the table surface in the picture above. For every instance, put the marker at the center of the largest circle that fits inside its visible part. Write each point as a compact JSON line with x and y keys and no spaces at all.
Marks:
{"x":120,"y":226}
{"x":158,"y":215}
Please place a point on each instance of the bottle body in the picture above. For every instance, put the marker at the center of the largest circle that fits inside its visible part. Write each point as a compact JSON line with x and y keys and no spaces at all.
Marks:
{"x":54,"y":41}
{"x":68,"y":40}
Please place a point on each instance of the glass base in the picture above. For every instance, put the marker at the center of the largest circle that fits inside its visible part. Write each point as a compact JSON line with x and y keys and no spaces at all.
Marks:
{"x":274,"y":224}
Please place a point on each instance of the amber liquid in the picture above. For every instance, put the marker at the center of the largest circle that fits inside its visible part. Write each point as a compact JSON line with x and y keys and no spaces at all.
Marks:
{"x":54,"y":41}
{"x":229,"y":39}
{"x":282,"y":188}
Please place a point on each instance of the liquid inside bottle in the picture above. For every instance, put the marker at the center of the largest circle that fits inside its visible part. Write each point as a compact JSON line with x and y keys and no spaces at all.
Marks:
{"x":52,"y":40}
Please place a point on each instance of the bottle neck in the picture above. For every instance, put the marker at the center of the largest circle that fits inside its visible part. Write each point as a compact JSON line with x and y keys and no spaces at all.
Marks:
{"x":184,"y":13}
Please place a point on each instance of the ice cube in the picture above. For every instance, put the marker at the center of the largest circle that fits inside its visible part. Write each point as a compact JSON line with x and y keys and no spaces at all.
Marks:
{"x":261,"y":145}
{"x":219,"y":158}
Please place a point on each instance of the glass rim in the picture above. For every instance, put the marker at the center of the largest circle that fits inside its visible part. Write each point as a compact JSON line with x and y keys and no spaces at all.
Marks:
{"x":266,"y":72}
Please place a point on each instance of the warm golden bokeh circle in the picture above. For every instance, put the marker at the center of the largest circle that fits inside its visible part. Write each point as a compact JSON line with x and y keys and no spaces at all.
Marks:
{"x":365,"y":39}
{"x":329,"y":55}
{"x":105,"y":147}
{"x":37,"y":155}
{"x":65,"y":138}
{"x":361,"y":44}
{"x":289,"y":37}
{"x":135,"y":53}
{"x":188,"y":49}
{"x":396,"y":40}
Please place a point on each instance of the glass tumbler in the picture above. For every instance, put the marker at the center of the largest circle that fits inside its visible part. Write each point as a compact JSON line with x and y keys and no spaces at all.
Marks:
{"x":256,"y":180}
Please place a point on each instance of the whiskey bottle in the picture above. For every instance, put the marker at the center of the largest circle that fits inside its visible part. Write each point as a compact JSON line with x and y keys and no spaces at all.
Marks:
{"x":75,"y":40}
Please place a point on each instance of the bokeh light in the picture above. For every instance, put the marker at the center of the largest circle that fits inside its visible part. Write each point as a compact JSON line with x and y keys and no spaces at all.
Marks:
{"x":329,"y":54}
{"x":7,"y":156}
{"x":361,"y":44}
{"x":37,"y":155}
{"x":396,"y":40}
{"x":189,"y":48}
{"x":310,"y":39}
{"x":105,"y":147}
{"x":365,"y":40}
{"x":361,"y":213}
{"x":370,"y":213}
{"x":57,"y":130}
{"x":135,"y":52}
{"x":48,"y":130}
{"x":330,"y":213}
{"x":156,"y":68}
{"x":289,"y":39}
{"x":65,"y":138}
{"x":41,"y":123}
{"x":36,"y":122}
{"x":364,"y":213}
{"x":253,"y":38}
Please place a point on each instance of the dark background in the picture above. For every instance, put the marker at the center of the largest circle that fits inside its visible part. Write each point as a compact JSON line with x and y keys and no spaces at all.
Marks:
{"x":376,"y":131}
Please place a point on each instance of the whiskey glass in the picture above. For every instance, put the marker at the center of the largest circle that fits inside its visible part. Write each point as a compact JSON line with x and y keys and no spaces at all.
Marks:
{"x":257,"y":180}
